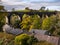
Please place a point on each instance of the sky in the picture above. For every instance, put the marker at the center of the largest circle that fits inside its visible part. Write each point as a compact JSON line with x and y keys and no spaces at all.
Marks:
{"x":32,"y":4}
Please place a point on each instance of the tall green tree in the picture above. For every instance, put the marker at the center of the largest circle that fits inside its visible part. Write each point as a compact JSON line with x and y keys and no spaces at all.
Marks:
{"x":2,"y":20}
{"x":26,"y":21}
{"x":57,"y":26}
{"x":30,"y":22}
{"x":46,"y":24}
{"x":42,"y":9}
{"x":35,"y":24}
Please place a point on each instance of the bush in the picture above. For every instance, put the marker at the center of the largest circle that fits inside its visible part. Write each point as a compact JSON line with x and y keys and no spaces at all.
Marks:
{"x":6,"y":39}
{"x":1,"y":41}
{"x":6,"y":42}
{"x":22,"y":39}
{"x":32,"y":40}
{"x":25,"y":39}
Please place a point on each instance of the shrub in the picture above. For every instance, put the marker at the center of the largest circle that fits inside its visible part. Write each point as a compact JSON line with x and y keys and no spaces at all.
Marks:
{"x":6,"y":42}
{"x":25,"y":39}
{"x":32,"y":40}
{"x":22,"y":39}
{"x":6,"y":39}
{"x":1,"y":41}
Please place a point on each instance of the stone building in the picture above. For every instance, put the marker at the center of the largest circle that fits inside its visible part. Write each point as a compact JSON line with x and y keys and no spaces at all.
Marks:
{"x":42,"y":35}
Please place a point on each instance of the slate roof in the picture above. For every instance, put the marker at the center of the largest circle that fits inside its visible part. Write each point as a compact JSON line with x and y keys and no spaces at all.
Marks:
{"x":36,"y":31}
{"x":16,"y":31}
{"x":11,"y":30}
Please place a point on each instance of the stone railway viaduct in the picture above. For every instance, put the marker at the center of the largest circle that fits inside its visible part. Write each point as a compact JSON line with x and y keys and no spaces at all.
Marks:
{"x":20,"y":14}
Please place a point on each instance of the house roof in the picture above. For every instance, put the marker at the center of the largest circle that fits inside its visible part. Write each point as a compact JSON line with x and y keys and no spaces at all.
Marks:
{"x":36,"y":31}
{"x":16,"y":31}
{"x":8,"y":29}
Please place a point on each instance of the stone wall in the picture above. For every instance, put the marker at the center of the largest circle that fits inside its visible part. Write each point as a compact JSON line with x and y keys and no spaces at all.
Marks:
{"x":51,"y":39}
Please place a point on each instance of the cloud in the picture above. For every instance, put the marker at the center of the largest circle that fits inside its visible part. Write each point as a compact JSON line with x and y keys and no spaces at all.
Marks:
{"x":34,"y":4}
{"x":9,"y":7}
{"x":45,"y":1}
{"x":54,"y":7}
{"x":14,"y":3}
{"x":31,"y":2}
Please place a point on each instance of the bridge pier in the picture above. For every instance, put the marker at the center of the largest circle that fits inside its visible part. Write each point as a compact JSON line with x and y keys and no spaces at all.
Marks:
{"x":20,"y":14}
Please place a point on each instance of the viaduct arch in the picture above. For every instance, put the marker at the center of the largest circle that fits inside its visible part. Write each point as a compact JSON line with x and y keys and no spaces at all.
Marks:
{"x":20,"y":14}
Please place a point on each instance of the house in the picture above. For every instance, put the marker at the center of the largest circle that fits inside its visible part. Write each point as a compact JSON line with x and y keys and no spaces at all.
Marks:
{"x":8,"y":29}
{"x":37,"y":31}
{"x":43,"y":35}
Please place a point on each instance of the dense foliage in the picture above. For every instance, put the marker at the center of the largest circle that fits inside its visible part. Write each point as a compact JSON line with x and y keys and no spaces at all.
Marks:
{"x":30,"y":22}
{"x":25,"y":39}
{"x":2,"y":20}
{"x":51,"y":24}
{"x":45,"y":23}
{"x":22,"y":39}
{"x":6,"y":39}
{"x":34,"y":22}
